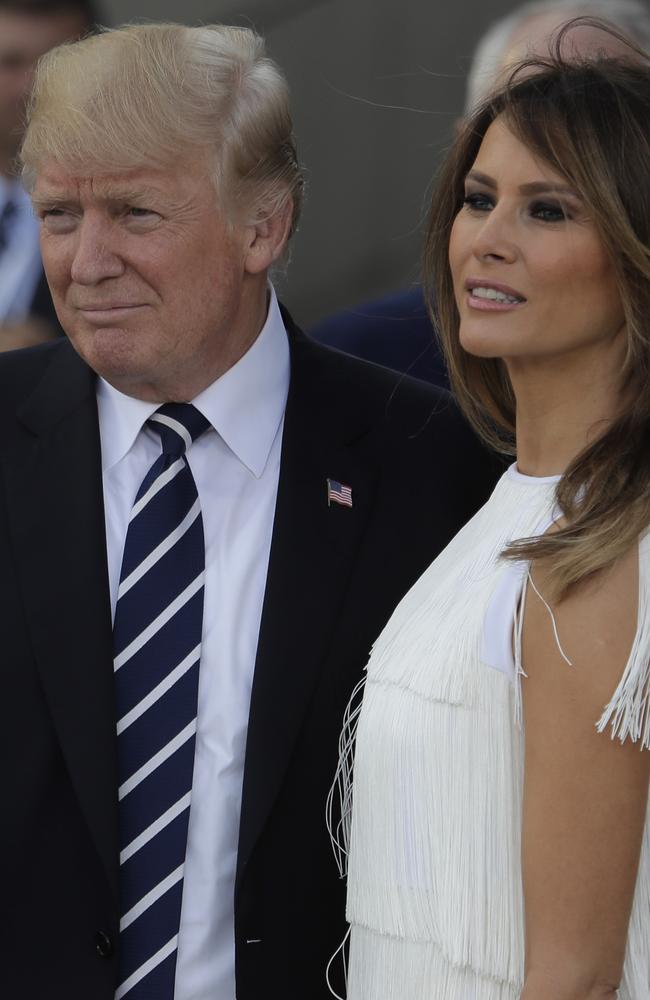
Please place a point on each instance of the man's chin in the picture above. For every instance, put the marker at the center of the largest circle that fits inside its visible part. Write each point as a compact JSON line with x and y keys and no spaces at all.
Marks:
{"x":114,"y":352}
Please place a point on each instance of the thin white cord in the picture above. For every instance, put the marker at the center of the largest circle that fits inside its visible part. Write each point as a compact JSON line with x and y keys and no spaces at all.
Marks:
{"x":341,"y":950}
{"x":557,"y":638}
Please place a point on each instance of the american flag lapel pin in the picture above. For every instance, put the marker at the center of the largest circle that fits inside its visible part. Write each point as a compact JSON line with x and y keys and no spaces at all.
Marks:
{"x":338,"y":493}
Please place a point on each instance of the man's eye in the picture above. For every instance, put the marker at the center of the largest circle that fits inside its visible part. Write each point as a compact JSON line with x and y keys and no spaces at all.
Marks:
{"x":477,"y":202}
{"x":547,"y":211}
{"x":139,"y":213}
{"x":56,"y":218}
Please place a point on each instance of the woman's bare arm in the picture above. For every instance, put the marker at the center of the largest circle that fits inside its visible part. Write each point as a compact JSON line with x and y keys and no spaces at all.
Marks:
{"x":585,"y":796}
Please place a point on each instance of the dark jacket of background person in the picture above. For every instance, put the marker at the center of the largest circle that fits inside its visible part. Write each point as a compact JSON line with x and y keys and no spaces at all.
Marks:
{"x":394,"y":331}
{"x":335,"y":574}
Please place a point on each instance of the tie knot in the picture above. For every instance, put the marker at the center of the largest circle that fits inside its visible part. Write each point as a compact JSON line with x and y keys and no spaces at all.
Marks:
{"x":179,"y":424}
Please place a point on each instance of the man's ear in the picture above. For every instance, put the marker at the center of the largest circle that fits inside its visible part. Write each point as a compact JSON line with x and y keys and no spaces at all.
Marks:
{"x":267,"y":240}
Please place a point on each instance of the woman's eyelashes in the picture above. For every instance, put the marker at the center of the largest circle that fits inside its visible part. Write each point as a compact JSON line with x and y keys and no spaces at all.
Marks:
{"x":549,"y":211}
{"x":478,"y":202}
{"x":544,"y":211}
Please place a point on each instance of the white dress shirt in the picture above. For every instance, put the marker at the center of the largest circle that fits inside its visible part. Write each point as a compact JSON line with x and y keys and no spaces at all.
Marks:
{"x":20,"y":262}
{"x":236,"y":468}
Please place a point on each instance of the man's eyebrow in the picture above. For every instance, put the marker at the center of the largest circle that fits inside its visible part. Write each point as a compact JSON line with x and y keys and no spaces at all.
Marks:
{"x":51,"y":198}
{"x":117,"y":194}
{"x":122,"y":194}
{"x":534,"y":187}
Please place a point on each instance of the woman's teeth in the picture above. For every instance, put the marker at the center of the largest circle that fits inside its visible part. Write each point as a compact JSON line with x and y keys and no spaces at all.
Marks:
{"x":492,"y":293}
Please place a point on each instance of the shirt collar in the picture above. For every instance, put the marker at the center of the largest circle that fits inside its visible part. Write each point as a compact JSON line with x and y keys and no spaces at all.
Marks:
{"x":245,"y":406}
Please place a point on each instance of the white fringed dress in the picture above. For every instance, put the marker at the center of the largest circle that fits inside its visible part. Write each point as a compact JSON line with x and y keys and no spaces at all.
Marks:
{"x":434,"y":883}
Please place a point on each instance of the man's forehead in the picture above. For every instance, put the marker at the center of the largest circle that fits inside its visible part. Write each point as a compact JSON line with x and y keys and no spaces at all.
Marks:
{"x":58,"y":181}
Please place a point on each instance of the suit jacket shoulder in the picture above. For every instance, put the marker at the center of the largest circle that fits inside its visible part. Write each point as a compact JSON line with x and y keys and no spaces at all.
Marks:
{"x":56,"y":669}
{"x":40,"y":385}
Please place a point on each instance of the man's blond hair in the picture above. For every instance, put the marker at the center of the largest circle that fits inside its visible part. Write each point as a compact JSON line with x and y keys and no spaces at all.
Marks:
{"x":154,"y":94}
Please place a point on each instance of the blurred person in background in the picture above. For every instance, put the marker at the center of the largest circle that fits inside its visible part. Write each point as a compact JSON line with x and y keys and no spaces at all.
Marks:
{"x":28,"y":29}
{"x":500,"y":829}
{"x":396,"y":329}
{"x":180,"y":636}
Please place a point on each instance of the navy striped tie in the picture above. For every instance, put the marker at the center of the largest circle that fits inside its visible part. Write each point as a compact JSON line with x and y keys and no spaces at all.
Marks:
{"x":157,"y":645}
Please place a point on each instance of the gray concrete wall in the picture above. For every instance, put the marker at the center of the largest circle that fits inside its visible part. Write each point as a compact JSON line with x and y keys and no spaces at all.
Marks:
{"x":376,"y":86}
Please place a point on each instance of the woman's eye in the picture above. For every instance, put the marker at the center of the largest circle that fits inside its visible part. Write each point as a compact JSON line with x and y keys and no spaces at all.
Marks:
{"x":548,"y":212}
{"x":477,"y":202}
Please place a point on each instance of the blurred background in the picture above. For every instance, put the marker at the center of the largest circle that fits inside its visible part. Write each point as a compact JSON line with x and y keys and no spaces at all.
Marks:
{"x":376,"y":86}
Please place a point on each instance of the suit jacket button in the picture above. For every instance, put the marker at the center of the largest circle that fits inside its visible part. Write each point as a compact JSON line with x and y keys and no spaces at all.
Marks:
{"x":103,"y":944}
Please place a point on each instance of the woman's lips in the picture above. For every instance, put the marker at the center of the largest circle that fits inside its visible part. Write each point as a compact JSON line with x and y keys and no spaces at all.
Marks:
{"x":492,"y":296}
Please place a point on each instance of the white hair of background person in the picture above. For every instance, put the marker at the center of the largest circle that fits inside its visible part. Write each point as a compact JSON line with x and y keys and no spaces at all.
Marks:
{"x":631,"y":16}
{"x":149,"y":94}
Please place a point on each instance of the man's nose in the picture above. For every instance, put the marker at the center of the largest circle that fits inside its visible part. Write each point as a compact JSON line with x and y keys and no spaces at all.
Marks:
{"x":496,"y":238}
{"x":96,"y":254}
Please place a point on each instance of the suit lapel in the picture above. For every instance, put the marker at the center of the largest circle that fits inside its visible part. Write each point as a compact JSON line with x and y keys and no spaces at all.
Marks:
{"x":54,"y":496}
{"x":312,"y":554}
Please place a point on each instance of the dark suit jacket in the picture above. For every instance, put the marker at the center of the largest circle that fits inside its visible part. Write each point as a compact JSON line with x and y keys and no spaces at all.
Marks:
{"x":335,"y":574}
{"x":394,"y":331}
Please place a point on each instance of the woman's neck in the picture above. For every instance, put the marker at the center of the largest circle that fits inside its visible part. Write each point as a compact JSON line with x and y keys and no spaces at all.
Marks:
{"x":563,"y":405}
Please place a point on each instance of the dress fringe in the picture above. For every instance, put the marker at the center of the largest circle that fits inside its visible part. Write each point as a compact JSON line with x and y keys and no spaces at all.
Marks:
{"x":434,"y":881}
{"x":628,"y":713}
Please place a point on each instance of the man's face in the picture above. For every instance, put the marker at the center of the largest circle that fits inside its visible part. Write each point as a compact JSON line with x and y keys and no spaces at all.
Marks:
{"x":155,"y":289}
{"x":24,"y":38}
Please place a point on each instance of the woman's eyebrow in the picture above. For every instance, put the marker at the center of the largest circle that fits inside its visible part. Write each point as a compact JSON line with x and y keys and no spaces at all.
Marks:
{"x":533,"y":187}
{"x":476,"y":175}
{"x":548,"y":187}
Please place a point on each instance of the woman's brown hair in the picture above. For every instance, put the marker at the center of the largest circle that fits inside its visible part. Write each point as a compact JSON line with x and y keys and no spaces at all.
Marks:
{"x":589,"y":121}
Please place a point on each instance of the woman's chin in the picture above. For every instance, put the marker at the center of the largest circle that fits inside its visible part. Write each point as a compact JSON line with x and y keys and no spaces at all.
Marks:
{"x":481,"y":346}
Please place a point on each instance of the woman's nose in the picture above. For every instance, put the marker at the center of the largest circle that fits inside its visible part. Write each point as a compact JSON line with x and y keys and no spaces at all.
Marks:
{"x":496,"y":239}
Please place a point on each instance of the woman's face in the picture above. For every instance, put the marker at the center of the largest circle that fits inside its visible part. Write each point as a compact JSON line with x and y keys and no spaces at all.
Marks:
{"x":532,"y":278}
